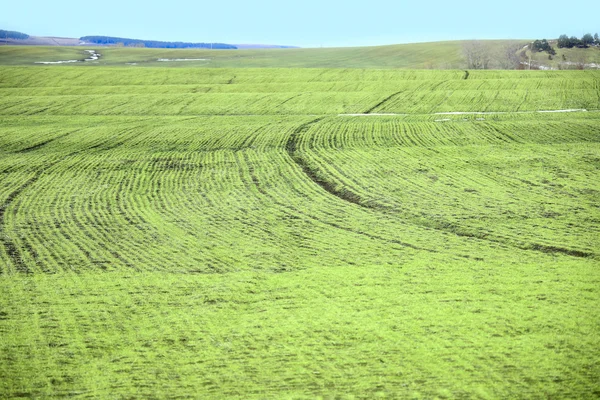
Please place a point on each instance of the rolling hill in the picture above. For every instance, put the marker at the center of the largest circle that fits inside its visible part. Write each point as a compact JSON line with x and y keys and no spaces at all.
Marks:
{"x":434,"y":55}
{"x":298,"y":233}
{"x":421,"y":55}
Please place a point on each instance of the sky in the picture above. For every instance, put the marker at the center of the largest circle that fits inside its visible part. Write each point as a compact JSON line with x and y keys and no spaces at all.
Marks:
{"x":308,"y":23}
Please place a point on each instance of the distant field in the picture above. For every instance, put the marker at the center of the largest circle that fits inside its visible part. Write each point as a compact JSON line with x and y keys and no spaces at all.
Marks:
{"x":28,"y":55}
{"x":435,"y":55}
{"x":192,"y":232}
{"x":420,"y":55}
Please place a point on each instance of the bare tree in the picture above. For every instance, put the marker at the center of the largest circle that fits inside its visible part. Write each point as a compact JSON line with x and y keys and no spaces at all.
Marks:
{"x":581,"y":61}
{"x":509,"y":57}
{"x":477,"y":55}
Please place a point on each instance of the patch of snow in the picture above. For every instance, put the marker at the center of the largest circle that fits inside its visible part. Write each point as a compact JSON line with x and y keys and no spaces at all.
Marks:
{"x":563,"y":111}
{"x":538,"y":66}
{"x":508,"y":112}
{"x":563,"y":63}
{"x":93,"y":56}
{"x":591,"y":65}
{"x":467,"y":113}
{"x":56,"y":62}
{"x":368,"y":115}
{"x":183,"y":59}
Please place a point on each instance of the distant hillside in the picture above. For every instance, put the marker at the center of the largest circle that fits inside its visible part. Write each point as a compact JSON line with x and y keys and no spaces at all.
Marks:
{"x":153,"y":44}
{"x":435,"y":55}
{"x":43,"y":41}
{"x":23,"y":39}
{"x":496,"y":54}
{"x":264,"y":46}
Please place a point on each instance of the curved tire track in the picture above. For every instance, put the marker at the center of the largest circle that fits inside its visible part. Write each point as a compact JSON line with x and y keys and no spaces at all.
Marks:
{"x":354,"y":198}
{"x":11,"y":248}
{"x":347,"y":196}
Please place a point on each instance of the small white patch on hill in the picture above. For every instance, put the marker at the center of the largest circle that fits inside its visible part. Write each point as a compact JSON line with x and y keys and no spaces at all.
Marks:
{"x":183,"y":59}
{"x":93,"y":56}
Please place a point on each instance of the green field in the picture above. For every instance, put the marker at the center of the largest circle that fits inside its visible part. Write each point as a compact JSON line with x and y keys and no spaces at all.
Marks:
{"x":433,"y":55}
{"x":299,"y":233}
{"x":418,"y":55}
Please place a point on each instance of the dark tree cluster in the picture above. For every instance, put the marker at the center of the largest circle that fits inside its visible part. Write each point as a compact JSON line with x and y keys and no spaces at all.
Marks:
{"x":542,"y":45}
{"x":586,"y":40}
{"x":109,"y":40}
{"x":13,"y":35}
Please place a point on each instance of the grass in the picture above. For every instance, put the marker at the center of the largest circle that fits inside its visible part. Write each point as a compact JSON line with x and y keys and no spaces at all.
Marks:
{"x":226,"y":233}
{"x":418,"y":55}
{"x":27,"y":55}
{"x":574,"y":58}
{"x":433,"y":55}
{"x":417,"y":330}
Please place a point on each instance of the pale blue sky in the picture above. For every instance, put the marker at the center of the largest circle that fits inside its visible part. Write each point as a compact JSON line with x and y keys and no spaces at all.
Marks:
{"x":309,"y":23}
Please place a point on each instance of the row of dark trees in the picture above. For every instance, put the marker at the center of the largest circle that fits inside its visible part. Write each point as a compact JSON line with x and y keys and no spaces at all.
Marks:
{"x":586,"y":40}
{"x":13,"y":35}
{"x":109,"y":40}
{"x":564,"y":41}
{"x":542,"y":45}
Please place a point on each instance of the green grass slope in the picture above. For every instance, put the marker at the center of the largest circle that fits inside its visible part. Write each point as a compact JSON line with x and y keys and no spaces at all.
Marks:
{"x":28,"y":55}
{"x":236,"y":233}
{"x":574,"y":58}
{"x":434,"y":55}
{"x":419,"y":55}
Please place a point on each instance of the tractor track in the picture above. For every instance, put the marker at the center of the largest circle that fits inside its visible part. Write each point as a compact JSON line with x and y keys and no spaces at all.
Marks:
{"x":349,"y":196}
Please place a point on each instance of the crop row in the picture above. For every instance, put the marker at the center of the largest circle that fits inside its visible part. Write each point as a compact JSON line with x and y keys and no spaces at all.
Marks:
{"x":190,"y":181}
{"x":201,"y":194}
{"x":515,"y":183}
{"x":390,"y":86}
{"x":79,"y":92}
{"x":68,"y":76}
{"x":417,"y":102}
{"x":22,"y":77}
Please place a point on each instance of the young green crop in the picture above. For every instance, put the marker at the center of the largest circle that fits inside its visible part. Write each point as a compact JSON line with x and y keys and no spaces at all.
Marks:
{"x":227,"y":233}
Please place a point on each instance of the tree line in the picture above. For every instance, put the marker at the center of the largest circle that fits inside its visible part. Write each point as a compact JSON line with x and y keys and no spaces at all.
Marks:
{"x":110,"y":40}
{"x":565,"y":41}
{"x":586,"y":40}
{"x":13,"y":35}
